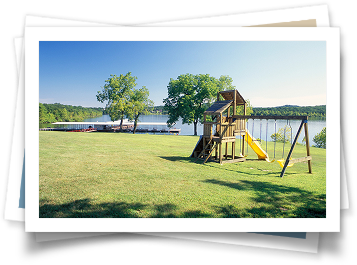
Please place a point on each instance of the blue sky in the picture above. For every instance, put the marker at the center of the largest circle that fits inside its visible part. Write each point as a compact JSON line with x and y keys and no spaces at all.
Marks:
{"x":268,"y":73}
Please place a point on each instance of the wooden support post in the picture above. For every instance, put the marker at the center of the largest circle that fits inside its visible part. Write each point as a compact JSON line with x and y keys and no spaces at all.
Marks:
{"x":307,"y":146}
{"x":292,"y":148}
{"x":226,"y":150}
{"x":220,"y":126}
{"x":216,"y":152}
{"x":243,"y":140}
{"x":203,"y":146}
{"x":233,"y":150}
{"x":220,"y":153}
{"x":235,"y":102}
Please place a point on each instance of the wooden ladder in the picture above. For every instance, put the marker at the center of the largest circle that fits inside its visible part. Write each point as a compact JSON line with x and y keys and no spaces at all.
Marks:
{"x":209,"y":147}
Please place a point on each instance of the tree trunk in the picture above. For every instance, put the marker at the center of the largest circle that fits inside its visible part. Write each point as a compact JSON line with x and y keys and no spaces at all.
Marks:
{"x":195,"y":127}
{"x":121,"y":124}
{"x":136,"y":122}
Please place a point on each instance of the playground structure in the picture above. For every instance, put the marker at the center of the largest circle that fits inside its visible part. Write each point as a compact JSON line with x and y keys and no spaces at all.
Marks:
{"x":225,"y":125}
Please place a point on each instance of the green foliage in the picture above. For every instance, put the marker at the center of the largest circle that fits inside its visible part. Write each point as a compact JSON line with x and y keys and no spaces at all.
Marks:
{"x":157,"y":110}
{"x":283,"y":134}
{"x":123,"y":99}
{"x":116,"y":93}
{"x":320,"y":139}
{"x":311,"y":111}
{"x":190,"y":95}
{"x":49,"y":113}
{"x":240,"y":109}
{"x":139,"y":103}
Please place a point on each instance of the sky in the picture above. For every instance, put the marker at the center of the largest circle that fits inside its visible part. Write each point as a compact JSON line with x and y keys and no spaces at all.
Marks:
{"x":267,"y":73}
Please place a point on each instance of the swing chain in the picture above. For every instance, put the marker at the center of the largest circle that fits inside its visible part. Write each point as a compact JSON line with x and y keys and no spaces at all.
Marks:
{"x":275,"y":139}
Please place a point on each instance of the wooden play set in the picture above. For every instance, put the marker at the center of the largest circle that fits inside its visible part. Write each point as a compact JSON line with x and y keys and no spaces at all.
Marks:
{"x":226,"y":125}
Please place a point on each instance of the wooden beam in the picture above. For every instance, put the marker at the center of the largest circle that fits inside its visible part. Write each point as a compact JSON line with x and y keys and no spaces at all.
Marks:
{"x":270,"y":117}
{"x":302,"y":159}
{"x":243,"y":137}
{"x":235,"y":102}
{"x":228,"y":140}
{"x":216,"y":152}
{"x":292,"y":149}
{"x":220,"y":153}
{"x":204,"y":145}
{"x":307,"y":146}
{"x":241,"y":159}
{"x":233,"y":149}
{"x":209,"y":154}
{"x":226,"y":150}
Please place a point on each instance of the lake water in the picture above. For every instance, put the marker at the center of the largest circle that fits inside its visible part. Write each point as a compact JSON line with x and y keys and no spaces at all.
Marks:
{"x":259,"y":130}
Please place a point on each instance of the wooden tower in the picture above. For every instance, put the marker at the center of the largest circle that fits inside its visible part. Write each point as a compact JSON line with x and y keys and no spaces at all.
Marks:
{"x":221,"y":132}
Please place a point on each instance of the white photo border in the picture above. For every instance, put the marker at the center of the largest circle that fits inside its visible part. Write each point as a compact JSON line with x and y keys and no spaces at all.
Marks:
{"x":34,"y":35}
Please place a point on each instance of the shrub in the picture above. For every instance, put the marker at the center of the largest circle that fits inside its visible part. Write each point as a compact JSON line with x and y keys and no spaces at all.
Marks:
{"x":279,"y":136}
{"x":320,"y":139}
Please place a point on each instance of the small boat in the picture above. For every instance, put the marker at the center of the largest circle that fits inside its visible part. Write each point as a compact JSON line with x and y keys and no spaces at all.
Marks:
{"x":174,"y":130}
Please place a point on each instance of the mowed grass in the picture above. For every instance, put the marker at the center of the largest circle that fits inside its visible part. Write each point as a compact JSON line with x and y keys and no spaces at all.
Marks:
{"x":119,"y":175}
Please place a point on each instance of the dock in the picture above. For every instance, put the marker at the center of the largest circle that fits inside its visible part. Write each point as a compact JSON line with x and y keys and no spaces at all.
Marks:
{"x":112,"y":126}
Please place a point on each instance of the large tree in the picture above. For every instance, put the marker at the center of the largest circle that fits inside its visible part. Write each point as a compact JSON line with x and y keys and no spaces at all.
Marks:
{"x":139,"y":104}
{"x":116,"y":94}
{"x":189,"y":96}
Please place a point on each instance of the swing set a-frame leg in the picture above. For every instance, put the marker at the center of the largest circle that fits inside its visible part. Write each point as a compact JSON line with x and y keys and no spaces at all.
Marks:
{"x":303,"y":123}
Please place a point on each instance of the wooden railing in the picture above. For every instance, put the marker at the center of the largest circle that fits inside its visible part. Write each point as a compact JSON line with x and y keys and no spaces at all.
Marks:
{"x":207,"y":128}
{"x":240,"y":125}
{"x":227,"y":128}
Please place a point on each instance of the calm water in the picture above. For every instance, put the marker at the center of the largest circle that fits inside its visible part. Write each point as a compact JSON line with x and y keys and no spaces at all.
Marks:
{"x":259,"y":130}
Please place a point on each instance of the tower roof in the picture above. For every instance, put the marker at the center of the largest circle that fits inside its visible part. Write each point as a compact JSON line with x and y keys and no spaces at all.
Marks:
{"x":229,"y":95}
{"x":218,"y":107}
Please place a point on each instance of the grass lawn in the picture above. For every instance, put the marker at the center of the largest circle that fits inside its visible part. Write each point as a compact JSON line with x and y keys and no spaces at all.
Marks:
{"x":117,"y":175}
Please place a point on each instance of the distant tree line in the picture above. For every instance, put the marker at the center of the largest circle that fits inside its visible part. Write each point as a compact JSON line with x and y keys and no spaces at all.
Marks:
{"x":57,"y":112}
{"x":311,"y":111}
{"x":158,"y":110}
{"x":288,"y":110}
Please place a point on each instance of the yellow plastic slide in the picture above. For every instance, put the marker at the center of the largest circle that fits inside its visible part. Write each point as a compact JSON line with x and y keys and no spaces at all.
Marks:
{"x":254,"y":144}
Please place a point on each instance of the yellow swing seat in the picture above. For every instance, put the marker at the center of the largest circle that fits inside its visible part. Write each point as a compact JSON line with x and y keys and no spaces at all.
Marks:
{"x":282,"y":163}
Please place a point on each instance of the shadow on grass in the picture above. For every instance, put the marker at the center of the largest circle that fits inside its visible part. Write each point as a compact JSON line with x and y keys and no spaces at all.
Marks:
{"x":261,"y":172}
{"x":274,"y":201}
{"x":269,"y":201}
{"x":85,"y":209}
{"x":178,"y":158}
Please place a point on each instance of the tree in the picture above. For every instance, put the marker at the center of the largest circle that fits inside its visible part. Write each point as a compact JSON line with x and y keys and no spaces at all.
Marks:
{"x":64,"y":114}
{"x":279,"y":136}
{"x":320,"y":139}
{"x":116,"y":94}
{"x":189,"y":96}
{"x":139,"y":104}
{"x":248,"y":109}
{"x":43,"y":114}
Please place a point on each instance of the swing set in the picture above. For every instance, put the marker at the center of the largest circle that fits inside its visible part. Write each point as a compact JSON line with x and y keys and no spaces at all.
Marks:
{"x":225,"y":128}
{"x":283,"y":162}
